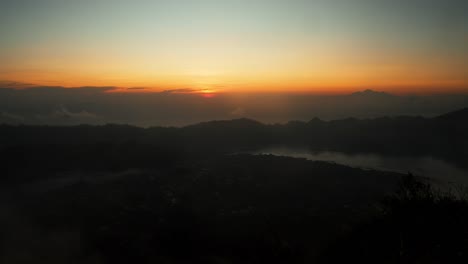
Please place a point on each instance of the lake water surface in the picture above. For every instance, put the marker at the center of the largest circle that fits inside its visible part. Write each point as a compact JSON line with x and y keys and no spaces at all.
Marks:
{"x":427,"y":166}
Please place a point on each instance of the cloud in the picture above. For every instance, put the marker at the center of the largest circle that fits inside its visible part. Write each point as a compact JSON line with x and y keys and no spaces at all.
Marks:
{"x":65,"y":116}
{"x":9,"y":118}
{"x":63,"y":112}
{"x":15,"y":85}
{"x":137,"y":88}
{"x":182,"y":90}
{"x":178,"y":107}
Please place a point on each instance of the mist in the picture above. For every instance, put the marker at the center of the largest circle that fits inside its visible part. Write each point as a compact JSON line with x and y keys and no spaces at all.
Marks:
{"x":181,"y":107}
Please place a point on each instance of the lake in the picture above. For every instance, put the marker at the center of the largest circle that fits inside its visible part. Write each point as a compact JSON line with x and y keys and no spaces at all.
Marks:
{"x":437,"y":169}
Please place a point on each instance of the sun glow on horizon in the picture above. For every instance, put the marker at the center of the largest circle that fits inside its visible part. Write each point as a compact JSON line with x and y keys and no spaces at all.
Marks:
{"x":237,"y":46}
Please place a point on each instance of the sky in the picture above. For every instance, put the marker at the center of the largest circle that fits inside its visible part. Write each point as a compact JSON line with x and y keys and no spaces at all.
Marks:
{"x":316,"y":46}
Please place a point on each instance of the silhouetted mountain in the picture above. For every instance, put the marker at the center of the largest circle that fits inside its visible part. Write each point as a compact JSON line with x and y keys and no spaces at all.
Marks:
{"x":241,"y":123}
{"x":443,"y":137}
{"x":372,"y":94}
{"x":458,"y":116}
{"x":185,"y":195}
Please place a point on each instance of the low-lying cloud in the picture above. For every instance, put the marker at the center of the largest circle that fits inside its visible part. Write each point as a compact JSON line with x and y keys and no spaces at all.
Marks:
{"x":178,"y":107}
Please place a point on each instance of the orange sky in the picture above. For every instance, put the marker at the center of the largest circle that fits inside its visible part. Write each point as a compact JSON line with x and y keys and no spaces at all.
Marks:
{"x":257,"y":46}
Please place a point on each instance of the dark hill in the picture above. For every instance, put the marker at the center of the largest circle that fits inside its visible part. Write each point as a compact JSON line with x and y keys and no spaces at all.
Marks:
{"x":459,"y":115}
{"x":443,"y":137}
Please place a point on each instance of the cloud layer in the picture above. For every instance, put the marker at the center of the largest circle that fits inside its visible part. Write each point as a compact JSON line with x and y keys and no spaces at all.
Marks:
{"x":95,"y":105}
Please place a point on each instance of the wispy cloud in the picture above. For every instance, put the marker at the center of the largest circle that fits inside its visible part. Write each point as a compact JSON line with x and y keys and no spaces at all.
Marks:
{"x":137,"y":88}
{"x":182,"y":90}
{"x":65,"y":116}
{"x":63,"y":112}
{"x":10,"y":118}
{"x":15,"y":85}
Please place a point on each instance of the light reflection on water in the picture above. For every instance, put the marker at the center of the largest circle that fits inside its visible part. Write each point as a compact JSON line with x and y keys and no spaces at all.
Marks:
{"x":430,"y":167}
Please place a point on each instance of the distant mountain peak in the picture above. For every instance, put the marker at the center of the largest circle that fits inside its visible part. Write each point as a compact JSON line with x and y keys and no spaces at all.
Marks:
{"x":369,"y":92}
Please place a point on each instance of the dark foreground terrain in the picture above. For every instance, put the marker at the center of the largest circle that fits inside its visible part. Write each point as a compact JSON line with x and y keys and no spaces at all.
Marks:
{"x":120,"y":194}
{"x":239,"y":208}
